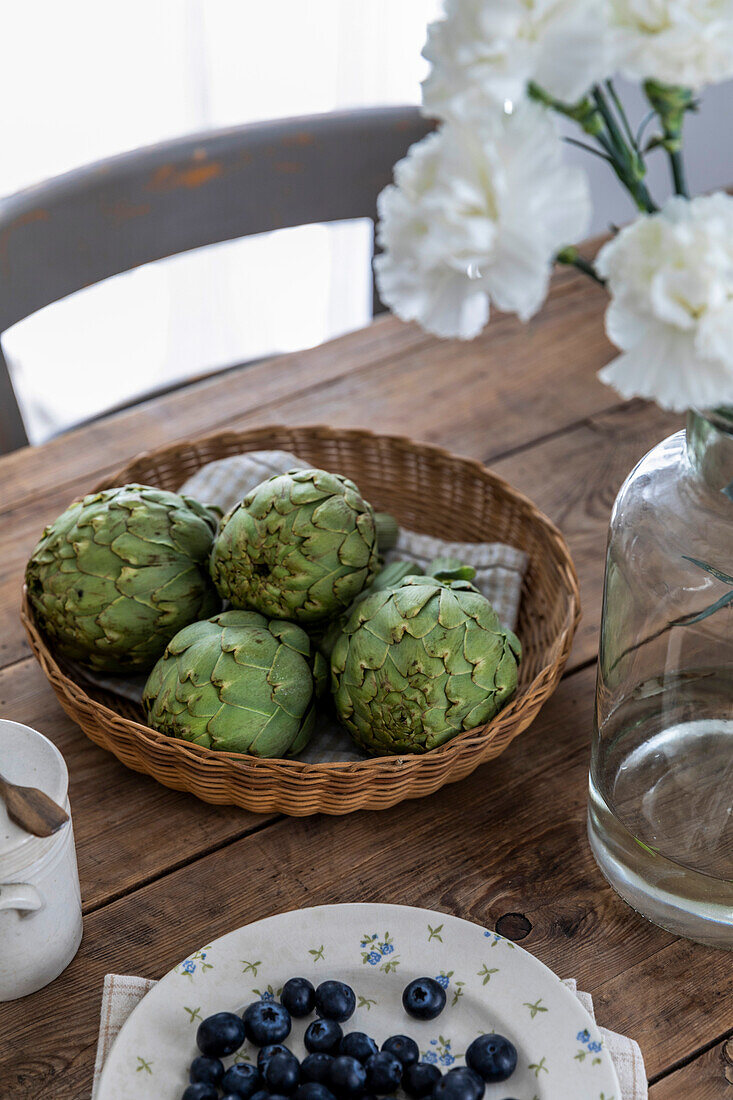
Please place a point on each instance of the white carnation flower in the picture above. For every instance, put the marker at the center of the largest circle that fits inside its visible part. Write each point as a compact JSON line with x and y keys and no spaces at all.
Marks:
{"x":670,"y":276}
{"x":488,"y":51}
{"x":686,"y":42}
{"x":476,"y":214}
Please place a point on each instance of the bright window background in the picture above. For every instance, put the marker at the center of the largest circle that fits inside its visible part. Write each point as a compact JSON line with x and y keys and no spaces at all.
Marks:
{"x":103,"y":78}
{"x":83,"y":80}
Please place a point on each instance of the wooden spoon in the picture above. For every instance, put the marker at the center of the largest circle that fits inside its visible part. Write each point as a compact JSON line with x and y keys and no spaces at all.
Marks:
{"x":30,"y":808}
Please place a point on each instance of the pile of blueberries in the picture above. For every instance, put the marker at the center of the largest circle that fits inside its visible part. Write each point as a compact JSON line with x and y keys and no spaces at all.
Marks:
{"x":338,"y":1066}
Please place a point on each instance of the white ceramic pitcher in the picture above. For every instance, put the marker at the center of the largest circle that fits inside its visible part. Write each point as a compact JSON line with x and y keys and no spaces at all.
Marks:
{"x":40,"y":902}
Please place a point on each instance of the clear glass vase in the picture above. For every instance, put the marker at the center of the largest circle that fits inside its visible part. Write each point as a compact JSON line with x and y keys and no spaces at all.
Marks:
{"x":661,"y":782}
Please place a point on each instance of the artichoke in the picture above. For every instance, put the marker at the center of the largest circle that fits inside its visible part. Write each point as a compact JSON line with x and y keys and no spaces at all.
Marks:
{"x":300,"y":546}
{"x":239,"y":683}
{"x":389,"y":577}
{"x":444,"y":569}
{"x":119,"y":572}
{"x":420,"y":662}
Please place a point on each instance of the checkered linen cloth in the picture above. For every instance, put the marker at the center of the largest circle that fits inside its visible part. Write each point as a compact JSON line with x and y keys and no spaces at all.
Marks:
{"x":122,"y":993}
{"x":499,"y":569}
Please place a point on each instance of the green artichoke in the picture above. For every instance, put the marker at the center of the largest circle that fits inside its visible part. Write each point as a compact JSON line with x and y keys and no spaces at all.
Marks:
{"x":443,"y":569}
{"x":300,"y":546}
{"x":239,"y":683}
{"x":418,"y":663}
{"x":389,"y":577}
{"x":119,"y":572}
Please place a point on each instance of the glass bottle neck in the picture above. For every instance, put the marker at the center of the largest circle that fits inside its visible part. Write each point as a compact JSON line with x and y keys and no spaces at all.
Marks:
{"x":710,"y":446}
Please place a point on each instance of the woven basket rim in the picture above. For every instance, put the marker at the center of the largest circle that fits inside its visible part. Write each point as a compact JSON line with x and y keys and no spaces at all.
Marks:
{"x":116,"y":729}
{"x":359,"y":433}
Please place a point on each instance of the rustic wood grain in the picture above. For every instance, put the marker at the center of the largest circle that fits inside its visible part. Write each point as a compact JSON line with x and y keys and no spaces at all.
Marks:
{"x":161,"y":873}
{"x":709,"y":1077}
{"x":605,"y":448}
{"x":128,"y":828}
{"x":519,"y":848}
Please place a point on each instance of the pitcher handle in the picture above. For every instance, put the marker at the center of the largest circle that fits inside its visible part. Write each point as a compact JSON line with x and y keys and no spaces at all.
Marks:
{"x":21,"y":896}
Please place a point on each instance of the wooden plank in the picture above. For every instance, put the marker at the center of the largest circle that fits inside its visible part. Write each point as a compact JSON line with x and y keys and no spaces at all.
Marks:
{"x":128,"y":828}
{"x":514,"y":842}
{"x":604,"y":449}
{"x":497,"y":392}
{"x":708,"y":1077}
{"x":121,"y":823}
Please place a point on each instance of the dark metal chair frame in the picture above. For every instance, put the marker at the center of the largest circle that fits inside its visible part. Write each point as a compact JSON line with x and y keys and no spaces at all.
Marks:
{"x":80,"y":228}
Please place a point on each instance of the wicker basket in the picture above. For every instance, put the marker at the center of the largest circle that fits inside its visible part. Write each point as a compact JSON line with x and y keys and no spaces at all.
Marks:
{"x":428,"y":490}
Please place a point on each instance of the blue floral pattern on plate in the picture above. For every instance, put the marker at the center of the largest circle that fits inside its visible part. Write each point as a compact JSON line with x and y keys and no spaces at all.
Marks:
{"x":195,"y":962}
{"x":379,"y":951}
{"x":488,"y":988}
{"x":440,"y":1053}
{"x":592,"y":1046}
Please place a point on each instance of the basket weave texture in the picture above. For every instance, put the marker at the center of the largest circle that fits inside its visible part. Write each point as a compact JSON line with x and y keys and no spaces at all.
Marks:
{"x":428,"y":490}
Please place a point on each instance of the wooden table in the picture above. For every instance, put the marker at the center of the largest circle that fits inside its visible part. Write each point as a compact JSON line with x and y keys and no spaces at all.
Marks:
{"x":162,"y":873}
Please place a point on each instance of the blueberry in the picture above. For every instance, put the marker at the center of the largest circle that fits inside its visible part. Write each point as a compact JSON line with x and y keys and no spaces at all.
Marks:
{"x":322,"y":1037}
{"x":460,"y":1083}
{"x":348,"y":1077}
{"x":313,"y":1090}
{"x":335,"y":1001}
{"x":266,"y":1022}
{"x":200,"y":1090}
{"x":243,"y":1080}
{"x":384,"y":1073}
{"x":266,"y":1053}
{"x":404,"y":1048}
{"x":493,"y":1057}
{"x":282,"y":1074}
{"x":262,"y":1094}
{"x":358,"y":1045}
{"x":424,"y":999}
{"x":207,"y":1070}
{"x":299,"y":997}
{"x":220,"y":1034}
{"x":236,"y":1096}
{"x":316,"y":1067}
{"x":420,"y":1079}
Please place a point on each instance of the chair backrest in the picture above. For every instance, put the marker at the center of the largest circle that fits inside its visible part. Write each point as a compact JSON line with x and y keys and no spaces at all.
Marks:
{"x":80,"y":228}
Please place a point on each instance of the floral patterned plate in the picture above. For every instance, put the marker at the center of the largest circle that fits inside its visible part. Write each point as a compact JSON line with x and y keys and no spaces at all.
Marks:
{"x":492,"y":985}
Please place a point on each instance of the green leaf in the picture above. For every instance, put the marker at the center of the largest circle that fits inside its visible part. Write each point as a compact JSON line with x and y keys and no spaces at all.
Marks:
{"x":724,"y":577}
{"x":450,"y":569}
{"x":724,"y":601}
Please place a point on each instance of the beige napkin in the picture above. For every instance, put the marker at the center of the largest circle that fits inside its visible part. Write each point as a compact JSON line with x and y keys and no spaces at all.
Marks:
{"x":122,"y":993}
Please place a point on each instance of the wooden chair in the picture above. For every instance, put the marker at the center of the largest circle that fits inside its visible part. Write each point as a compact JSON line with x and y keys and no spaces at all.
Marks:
{"x":109,"y":217}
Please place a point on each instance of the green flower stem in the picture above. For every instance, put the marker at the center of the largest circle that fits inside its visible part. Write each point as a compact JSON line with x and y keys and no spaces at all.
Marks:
{"x":572,"y":258}
{"x":627,"y":163}
{"x":596,"y":118}
{"x":611,"y":89}
{"x":606,"y":114}
{"x":584,"y":112}
{"x":679,"y":178}
{"x":670,"y":103}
